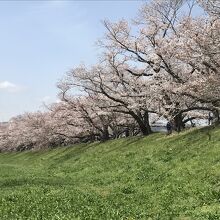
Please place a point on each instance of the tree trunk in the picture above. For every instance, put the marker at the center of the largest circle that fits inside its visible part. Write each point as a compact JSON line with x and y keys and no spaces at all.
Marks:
{"x":127,"y":132}
{"x":178,"y":122}
{"x":143,"y":123}
{"x":216,"y":117}
{"x":147,"y":123}
{"x":105,"y":134}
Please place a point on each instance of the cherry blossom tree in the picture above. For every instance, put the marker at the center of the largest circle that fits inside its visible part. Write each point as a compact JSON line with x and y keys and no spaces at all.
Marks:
{"x":116,"y":90}
{"x":157,"y":44}
{"x":211,"y":6}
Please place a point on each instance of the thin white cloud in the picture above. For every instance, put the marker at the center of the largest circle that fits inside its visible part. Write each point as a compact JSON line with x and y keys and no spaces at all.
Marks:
{"x":58,"y":101}
{"x":46,"y":99}
{"x":10,"y":87}
{"x":49,"y":100}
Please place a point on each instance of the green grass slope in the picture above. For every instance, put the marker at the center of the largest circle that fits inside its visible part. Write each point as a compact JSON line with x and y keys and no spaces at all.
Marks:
{"x":155,"y":177}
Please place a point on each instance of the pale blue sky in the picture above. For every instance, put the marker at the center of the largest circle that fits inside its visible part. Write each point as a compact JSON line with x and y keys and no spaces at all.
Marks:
{"x":41,"y":40}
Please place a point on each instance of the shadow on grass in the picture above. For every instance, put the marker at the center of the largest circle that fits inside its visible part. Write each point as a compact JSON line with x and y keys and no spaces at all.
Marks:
{"x":38,"y":182}
{"x":192,"y":136}
{"x":73,"y":153}
{"x":126,"y":143}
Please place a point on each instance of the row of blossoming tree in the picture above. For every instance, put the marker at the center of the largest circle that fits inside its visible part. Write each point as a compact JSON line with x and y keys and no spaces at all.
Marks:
{"x":163,"y":64}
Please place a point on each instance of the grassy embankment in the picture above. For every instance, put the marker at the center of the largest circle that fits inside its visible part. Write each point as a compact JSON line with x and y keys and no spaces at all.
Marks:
{"x":156,"y":177}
